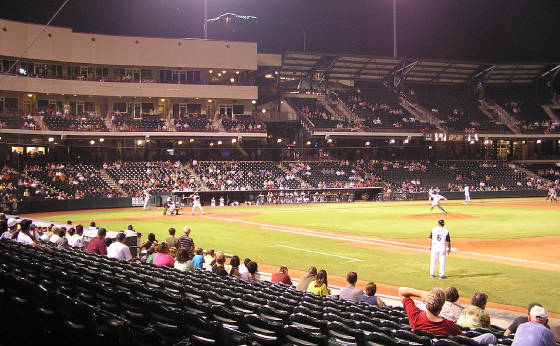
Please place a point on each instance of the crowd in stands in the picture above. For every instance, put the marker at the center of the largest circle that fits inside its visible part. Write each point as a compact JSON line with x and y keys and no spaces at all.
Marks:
{"x":435,"y":315}
{"x":15,"y":121}
{"x":242,"y":123}
{"x":89,"y":122}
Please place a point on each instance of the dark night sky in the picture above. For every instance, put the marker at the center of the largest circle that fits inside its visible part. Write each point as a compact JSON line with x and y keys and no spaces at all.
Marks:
{"x":483,"y":30}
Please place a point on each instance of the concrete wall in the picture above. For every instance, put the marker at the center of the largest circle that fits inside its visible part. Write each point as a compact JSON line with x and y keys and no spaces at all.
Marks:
{"x":61,"y":44}
{"x":71,"y":87}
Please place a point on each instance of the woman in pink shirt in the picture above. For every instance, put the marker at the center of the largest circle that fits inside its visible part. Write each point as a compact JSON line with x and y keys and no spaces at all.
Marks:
{"x":162,"y":257}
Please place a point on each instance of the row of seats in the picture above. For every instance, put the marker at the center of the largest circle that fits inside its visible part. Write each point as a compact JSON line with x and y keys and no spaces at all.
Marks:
{"x":69,"y":124}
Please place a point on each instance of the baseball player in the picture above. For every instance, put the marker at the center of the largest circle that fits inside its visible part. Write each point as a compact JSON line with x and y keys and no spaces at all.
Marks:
{"x":222,"y":201}
{"x":436,"y":198}
{"x":430,"y":193}
{"x":196,"y":202}
{"x":439,"y":240}
{"x":146,"y":198}
{"x":552,"y":195}
{"x":467,"y":194}
{"x":213,"y":202}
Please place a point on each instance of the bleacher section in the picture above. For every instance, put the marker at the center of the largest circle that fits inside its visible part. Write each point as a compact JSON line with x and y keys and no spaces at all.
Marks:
{"x":76,"y":124}
{"x":334,"y":174}
{"x":245,"y":175}
{"x":72,"y":297}
{"x":380,"y":109}
{"x":318,"y":114}
{"x":199,"y":123}
{"x":134,"y":177}
{"x":10,"y":121}
{"x":549,"y":171}
{"x":243,"y":123}
{"x":148,"y":123}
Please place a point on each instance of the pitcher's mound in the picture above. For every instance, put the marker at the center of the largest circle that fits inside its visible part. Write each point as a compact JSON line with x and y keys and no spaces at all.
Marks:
{"x":439,"y":215}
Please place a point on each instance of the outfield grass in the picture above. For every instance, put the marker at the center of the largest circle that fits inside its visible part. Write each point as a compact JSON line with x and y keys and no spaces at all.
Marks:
{"x":506,"y":284}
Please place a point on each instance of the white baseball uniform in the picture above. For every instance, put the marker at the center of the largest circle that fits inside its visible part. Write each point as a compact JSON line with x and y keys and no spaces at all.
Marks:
{"x":436,"y":198}
{"x":439,"y":238}
{"x":196,"y":203}
{"x":146,"y":198}
{"x":467,"y":194}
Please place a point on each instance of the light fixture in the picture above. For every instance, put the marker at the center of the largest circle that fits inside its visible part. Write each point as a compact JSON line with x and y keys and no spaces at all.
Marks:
{"x":406,"y":141}
{"x":209,"y":100}
{"x":263,"y":111}
{"x":294,"y":142}
{"x":279,"y":140}
{"x":211,"y":144}
{"x":139,"y":142}
{"x":367,"y":144}
{"x":329,"y":140}
{"x":74,"y":95}
{"x":224,"y":71}
{"x":233,"y":140}
{"x":430,"y":147}
{"x":162,"y":100}
{"x":254,"y":102}
{"x":149,"y":97}
{"x":486,"y":141}
{"x":232,"y":80}
{"x":308,"y":143}
{"x":29,"y":95}
{"x":92,"y":142}
{"x":180,"y":142}
{"x":539,"y":141}
{"x":210,"y":71}
{"x":472,"y":142}
{"x":191,"y":140}
{"x":268,"y":76}
{"x":219,"y":142}
{"x":236,"y":72}
{"x":392,"y":141}
{"x":101,"y":140}
{"x":147,"y":140}
{"x":219,"y":74}
{"x":51,"y":139}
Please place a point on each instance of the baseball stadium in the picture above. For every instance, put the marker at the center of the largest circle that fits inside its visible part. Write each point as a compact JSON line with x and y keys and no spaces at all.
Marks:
{"x":248,"y":173}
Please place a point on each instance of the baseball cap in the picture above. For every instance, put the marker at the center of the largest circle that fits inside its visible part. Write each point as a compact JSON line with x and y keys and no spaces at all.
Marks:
{"x":530,"y":306}
{"x":13,"y":221}
{"x":539,"y":312}
{"x":130,"y":227}
{"x":441,"y":222}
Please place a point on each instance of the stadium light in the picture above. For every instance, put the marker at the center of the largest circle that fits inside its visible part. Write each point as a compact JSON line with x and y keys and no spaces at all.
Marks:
{"x":51,"y":139}
{"x":211,"y":144}
{"x":279,"y":140}
{"x":406,"y":141}
{"x":224,"y":72}
{"x":236,"y":72}
{"x":254,"y":102}
{"x":233,"y":140}
{"x":309,"y":142}
{"x":539,"y":141}
{"x":392,"y":141}
{"x":219,"y":142}
{"x":101,"y":140}
{"x":367,"y":144}
{"x":232,"y":80}
{"x":92,"y":142}
{"x":429,"y":147}
{"x":162,"y":100}
{"x":191,"y":140}
{"x":29,"y":95}
{"x":140,"y":142}
{"x":210,"y":71}
{"x":180,"y":142}
{"x":263,"y":111}
{"x":329,"y":140}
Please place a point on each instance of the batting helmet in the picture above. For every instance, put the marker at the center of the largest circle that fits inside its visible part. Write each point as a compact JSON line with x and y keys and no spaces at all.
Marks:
{"x":441,"y":222}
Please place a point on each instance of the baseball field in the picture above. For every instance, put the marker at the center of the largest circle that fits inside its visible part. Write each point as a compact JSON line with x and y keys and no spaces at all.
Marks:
{"x":509,"y":248}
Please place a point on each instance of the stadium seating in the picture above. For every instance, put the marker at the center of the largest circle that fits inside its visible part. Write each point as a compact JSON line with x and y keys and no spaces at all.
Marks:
{"x":243,"y":123}
{"x":134,"y":177}
{"x":72,"y":297}
{"x":199,"y":123}
{"x":147,"y":123}
{"x":75,"y":124}
{"x":11,"y":121}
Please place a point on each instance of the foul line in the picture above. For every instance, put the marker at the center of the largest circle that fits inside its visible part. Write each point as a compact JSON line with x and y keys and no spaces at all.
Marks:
{"x":365,"y":240}
{"x":350,"y":259}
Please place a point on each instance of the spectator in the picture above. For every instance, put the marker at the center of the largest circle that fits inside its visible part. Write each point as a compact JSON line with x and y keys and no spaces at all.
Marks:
{"x":306,"y":279}
{"x":171,"y":240}
{"x":162,"y":258}
{"x":55,"y":234}
{"x":474,"y":316}
{"x":282,"y":276}
{"x":450,"y":310}
{"x":3,"y":224}
{"x":219,"y":268}
{"x":243,"y":266}
{"x":118,"y":249}
{"x":535,"y":332}
{"x":350,"y":292}
{"x":429,"y":320}
{"x":369,"y":296}
{"x":12,"y":224}
{"x":77,"y":240}
{"x":185,"y":242}
{"x":319,"y":286}
{"x":172,"y":251}
{"x":234,"y":263}
{"x":23,"y":235}
{"x":251,"y":274}
{"x":92,"y":226}
{"x":183,"y":263}
{"x":198,"y":259}
{"x":97,"y":244}
{"x":209,"y":259}
{"x":521,"y":319}
{"x":152,"y":242}
{"x":62,"y":241}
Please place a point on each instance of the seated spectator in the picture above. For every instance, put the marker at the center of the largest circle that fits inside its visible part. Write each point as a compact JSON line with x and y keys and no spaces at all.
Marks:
{"x":243,"y":266}
{"x":172,"y":251}
{"x":234,"y":263}
{"x":209,"y":258}
{"x":185,"y":242}
{"x":183,"y":263}
{"x":118,"y":249}
{"x":369,"y":296}
{"x":219,"y":268}
{"x":23,"y":235}
{"x":429,"y":320}
{"x":77,"y":239}
{"x":12,"y":225}
{"x":171,"y":240}
{"x":319,"y":286}
{"x":535,"y":332}
{"x":152,"y":242}
{"x":162,"y":258}
{"x":55,"y":235}
{"x":251,"y":274}
{"x":306,"y":279}
{"x":97,"y":244}
{"x":521,"y":319}
{"x":474,"y":316}
{"x":350,"y":292}
{"x":198,"y":259}
{"x":282,"y":276}
{"x":450,"y":310}
{"x":62,"y":241}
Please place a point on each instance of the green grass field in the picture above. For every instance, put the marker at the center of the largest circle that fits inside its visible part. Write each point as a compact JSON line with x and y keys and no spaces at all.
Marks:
{"x":337,"y":237}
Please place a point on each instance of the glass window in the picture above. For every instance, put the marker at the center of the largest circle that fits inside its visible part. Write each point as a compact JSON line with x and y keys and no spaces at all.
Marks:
{"x":89,"y":106}
{"x":238,"y":109}
{"x":11,"y":104}
{"x":119,"y":107}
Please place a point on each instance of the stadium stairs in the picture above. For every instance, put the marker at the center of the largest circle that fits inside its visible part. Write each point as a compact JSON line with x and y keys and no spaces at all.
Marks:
{"x":503,"y":115}
{"x":419,"y":112}
{"x":107,"y":179}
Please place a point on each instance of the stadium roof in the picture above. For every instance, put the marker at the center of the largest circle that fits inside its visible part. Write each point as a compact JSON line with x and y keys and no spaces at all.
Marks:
{"x":374,"y":68}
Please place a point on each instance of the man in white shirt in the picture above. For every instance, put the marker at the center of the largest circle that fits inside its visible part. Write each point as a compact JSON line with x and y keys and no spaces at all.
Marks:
{"x":12,"y":227}
{"x":54,"y":237}
{"x":467,"y":190}
{"x":77,"y":239}
{"x":439,"y":239}
{"x":436,"y":198}
{"x":118,"y":249}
